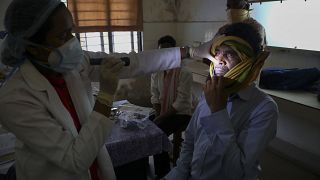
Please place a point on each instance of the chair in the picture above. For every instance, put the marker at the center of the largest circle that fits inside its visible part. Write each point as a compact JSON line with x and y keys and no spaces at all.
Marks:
{"x":176,"y":141}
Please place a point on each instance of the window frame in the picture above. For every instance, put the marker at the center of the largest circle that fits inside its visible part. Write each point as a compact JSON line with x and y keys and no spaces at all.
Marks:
{"x":111,"y":40}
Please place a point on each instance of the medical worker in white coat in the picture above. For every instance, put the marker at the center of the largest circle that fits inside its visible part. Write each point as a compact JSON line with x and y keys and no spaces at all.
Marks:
{"x":48,"y":103}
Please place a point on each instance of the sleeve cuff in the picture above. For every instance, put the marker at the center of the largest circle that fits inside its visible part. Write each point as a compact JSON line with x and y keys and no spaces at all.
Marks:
{"x":178,"y":56}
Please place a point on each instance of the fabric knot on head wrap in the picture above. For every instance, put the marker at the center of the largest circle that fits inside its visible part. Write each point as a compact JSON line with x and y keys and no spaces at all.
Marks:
{"x":245,"y":72}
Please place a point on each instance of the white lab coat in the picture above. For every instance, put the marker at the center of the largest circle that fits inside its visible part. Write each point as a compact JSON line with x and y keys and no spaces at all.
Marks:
{"x":48,"y":145}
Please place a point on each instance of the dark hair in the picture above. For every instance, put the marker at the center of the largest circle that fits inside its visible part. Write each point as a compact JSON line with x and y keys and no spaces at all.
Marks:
{"x":246,"y":32}
{"x":167,"y":40}
{"x":40,"y":35}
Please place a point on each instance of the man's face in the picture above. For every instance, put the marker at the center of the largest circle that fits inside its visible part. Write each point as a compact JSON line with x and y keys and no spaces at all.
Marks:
{"x":225,"y":59}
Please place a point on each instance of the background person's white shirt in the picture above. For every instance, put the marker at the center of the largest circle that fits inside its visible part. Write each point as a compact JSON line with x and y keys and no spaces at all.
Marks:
{"x":183,"y":102}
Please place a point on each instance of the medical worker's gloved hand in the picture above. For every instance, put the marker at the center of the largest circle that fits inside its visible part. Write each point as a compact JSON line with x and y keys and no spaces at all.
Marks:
{"x":203,"y":51}
{"x":109,"y":72}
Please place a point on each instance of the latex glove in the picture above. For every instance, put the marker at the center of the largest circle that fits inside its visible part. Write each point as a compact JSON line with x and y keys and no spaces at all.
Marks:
{"x":203,"y":51}
{"x":109,"y":79}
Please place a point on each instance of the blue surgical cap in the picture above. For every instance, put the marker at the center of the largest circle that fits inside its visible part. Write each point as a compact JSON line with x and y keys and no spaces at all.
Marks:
{"x":23,"y":19}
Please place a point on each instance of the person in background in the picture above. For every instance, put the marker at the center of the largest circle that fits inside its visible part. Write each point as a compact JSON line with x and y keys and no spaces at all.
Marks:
{"x":48,"y":103}
{"x":171,"y":98}
{"x":234,"y":120}
{"x":239,"y":11}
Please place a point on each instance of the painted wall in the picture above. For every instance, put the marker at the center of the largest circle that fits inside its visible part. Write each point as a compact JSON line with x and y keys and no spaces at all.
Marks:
{"x":190,"y":22}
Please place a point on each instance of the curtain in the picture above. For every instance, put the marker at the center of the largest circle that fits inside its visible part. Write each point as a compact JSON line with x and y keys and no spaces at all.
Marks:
{"x":106,"y":15}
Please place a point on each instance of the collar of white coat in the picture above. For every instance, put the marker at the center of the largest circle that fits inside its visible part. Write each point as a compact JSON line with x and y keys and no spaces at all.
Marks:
{"x":38,"y":82}
{"x":33,"y":77}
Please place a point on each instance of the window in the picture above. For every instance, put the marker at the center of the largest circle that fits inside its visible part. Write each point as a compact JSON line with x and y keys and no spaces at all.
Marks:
{"x":120,"y":42}
{"x":290,"y":24}
{"x":101,"y":33}
{"x":106,"y":15}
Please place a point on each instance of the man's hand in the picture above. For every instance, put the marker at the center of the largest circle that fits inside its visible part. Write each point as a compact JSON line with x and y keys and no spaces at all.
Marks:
{"x":214,"y":91}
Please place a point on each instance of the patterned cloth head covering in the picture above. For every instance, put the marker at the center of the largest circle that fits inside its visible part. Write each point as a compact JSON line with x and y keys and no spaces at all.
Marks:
{"x":245,"y":72}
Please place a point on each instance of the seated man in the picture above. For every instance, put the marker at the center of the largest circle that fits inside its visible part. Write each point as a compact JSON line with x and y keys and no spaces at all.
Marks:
{"x":171,"y":98}
{"x":234,"y":120}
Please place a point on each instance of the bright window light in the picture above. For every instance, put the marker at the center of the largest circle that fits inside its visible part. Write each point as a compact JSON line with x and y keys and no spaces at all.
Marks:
{"x":122,"y":42}
{"x":290,"y":24}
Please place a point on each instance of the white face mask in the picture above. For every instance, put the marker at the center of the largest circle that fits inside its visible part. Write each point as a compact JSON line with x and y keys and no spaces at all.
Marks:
{"x":64,"y":58}
{"x":237,"y":15}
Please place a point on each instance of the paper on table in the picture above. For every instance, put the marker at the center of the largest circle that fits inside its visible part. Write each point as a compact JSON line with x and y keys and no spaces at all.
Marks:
{"x":132,"y":115}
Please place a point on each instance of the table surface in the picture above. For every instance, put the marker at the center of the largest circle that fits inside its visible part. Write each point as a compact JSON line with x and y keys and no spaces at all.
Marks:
{"x":129,"y":144}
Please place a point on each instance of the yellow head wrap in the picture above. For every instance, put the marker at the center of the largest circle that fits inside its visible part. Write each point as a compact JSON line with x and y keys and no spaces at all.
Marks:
{"x":244,"y":73}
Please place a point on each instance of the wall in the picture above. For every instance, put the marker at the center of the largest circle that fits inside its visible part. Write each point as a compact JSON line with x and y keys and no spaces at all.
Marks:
{"x":200,"y":20}
{"x":158,"y":21}
{"x":190,"y":22}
